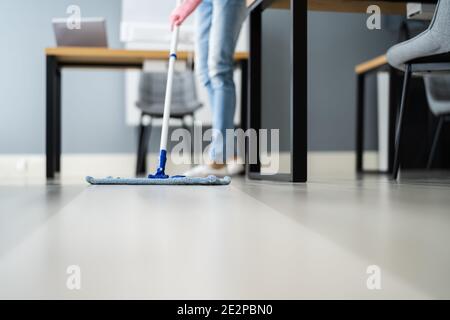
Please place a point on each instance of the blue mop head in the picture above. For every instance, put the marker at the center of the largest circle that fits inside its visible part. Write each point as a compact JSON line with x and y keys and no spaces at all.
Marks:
{"x":208,"y":181}
{"x":160,"y":178}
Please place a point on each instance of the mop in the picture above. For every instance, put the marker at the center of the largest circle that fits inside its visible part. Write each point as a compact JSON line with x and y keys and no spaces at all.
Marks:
{"x":160,"y":177}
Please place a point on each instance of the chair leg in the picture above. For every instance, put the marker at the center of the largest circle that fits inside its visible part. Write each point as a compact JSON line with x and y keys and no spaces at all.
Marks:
{"x":192,"y":130}
{"x":437,"y":135}
{"x":191,"y":133}
{"x":398,"y":133}
{"x":144,"y":138}
{"x":147,"y":134}
{"x":139,"y":156}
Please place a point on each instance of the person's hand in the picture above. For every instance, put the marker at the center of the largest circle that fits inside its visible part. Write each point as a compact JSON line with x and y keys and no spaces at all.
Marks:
{"x":182,"y":12}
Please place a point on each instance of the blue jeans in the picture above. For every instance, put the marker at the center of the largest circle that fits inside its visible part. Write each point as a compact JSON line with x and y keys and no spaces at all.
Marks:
{"x":218,"y":23}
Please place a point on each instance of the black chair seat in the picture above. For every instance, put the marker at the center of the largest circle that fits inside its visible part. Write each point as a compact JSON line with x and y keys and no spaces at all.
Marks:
{"x":437,"y":62}
{"x":437,"y":58}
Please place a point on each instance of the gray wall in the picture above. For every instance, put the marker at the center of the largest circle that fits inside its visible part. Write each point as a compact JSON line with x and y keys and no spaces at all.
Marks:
{"x":337,"y":42}
{"x":93,"y":113}
{"x":93,"y":110}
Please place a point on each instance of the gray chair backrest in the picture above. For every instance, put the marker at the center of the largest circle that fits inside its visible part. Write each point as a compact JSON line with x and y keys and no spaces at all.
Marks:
{"x":152,"y":88}
{"x":437,"y":87}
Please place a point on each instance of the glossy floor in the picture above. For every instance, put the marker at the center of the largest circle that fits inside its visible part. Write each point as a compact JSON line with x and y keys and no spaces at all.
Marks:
{"x":250,"y":240}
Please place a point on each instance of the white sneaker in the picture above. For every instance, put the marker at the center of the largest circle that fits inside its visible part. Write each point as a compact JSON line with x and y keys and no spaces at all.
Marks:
{"x":202,"y":171}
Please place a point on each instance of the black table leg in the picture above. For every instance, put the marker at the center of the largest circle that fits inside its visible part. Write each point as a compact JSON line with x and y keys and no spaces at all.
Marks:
{"x":393,"y":107}
{"x":360,"y":89}
{"x":299,"y":92}
{"x":244,"y":93}
{"x":53,"y":117}
{"x":254,"y":85}
{"x":58,"y":121}
{"x":244,"y":101}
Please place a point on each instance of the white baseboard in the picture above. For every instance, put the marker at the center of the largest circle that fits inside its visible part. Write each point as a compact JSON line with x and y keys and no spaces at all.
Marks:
{"x":79,"y":165}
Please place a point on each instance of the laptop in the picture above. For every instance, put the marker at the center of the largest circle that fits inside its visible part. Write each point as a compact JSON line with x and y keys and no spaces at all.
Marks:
{"x":91,"y":33}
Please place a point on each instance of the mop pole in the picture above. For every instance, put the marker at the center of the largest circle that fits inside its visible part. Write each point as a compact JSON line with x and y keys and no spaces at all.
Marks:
{"x":160,"y":173}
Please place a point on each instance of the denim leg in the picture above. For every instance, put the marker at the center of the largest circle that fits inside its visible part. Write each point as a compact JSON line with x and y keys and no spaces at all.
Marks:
{"x":227,"y":19}
{"x":203,"y":21}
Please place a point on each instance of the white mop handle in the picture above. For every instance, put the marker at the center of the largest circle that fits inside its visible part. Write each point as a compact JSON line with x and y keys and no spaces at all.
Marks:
{"x":168,"y":99}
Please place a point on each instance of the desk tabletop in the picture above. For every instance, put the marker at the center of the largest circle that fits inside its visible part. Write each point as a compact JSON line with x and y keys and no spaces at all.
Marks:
{"x":105,"y":55}
{"x":371,"y":64}
{"x":386,"y":6}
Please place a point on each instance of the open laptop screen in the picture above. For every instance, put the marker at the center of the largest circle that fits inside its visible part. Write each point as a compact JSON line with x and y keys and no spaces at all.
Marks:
{"x":91,"y":33}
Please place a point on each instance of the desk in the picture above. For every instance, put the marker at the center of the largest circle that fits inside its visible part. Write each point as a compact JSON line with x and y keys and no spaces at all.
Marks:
{"x":298,"y":77}
{"x":59,"y":58}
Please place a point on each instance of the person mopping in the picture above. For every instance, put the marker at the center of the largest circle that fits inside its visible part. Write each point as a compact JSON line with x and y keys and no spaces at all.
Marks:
{"x":218,"y":24}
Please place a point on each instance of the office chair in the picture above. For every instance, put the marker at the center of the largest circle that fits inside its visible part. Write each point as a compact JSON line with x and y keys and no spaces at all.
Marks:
{"x":425,"y":65}
{"x":152,"y":86}
{"x":427,"y":53}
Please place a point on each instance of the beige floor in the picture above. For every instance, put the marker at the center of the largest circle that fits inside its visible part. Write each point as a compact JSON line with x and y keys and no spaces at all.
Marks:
{"x":250,"y":240}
